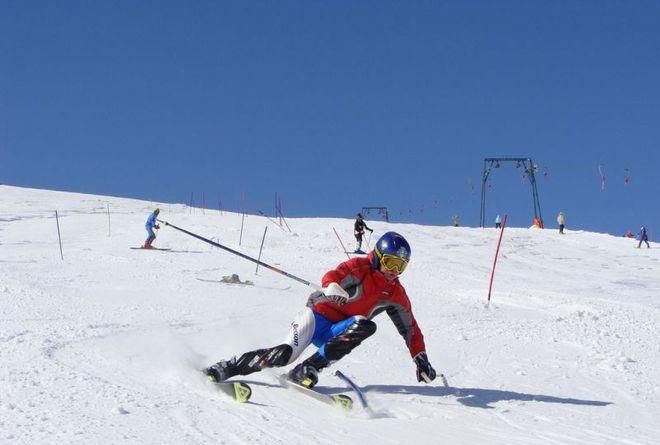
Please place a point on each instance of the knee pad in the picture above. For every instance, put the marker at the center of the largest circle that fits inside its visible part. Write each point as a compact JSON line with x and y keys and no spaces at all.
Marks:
{"x":362,"y":327}
{"x":254,"y":361}
{"x":279,"y":355}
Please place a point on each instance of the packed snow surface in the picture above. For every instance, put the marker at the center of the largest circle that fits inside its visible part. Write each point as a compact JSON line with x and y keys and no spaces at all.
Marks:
{"x":105,"y":345}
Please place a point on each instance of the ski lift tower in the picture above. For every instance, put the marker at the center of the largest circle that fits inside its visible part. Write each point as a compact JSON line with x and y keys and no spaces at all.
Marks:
{"x":382,"y":211}
{"x":528,"y":167}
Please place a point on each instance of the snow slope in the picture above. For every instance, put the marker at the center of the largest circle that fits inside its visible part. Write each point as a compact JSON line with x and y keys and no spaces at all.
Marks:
{"x":103,"y":347}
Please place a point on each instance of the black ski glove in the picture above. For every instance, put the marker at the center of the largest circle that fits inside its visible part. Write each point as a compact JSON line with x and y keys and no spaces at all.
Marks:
{"x":425,"y":372}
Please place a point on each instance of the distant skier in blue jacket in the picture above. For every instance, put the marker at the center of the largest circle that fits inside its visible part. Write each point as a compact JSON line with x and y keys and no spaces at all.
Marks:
{"x":150,"y":225}
{"x":643,"y":236}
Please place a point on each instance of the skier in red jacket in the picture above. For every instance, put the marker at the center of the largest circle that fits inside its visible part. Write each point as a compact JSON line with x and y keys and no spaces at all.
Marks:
{"x":339,"y":317}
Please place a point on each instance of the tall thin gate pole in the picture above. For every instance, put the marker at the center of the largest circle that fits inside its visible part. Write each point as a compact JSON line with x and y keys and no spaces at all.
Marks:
{"x":492,"y":274}
{"x":59,"y":236}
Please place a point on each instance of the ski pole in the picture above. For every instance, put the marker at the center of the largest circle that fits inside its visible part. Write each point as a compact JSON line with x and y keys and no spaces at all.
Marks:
{"x":354,"y":387}
{"x":242,"y":255}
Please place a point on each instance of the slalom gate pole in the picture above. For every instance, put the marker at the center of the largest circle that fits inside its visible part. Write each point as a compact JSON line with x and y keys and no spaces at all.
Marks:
{"x":260,"y":249}
{"x":271,"y":220}
{"x":242,"y":255}
{"x":342,"y":244}
{"x":240,"y":239}
{"x":57,"y":219}
{"x":497,"y":251}
{"x":108,"y":219}
{"x":284,"y":220}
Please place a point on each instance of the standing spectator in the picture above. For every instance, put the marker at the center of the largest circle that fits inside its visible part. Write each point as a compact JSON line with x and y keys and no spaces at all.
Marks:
{"x":359,"y":227}
{"x":561,"y":221}
{"x":643,"y":236}
{"x":498,"y":222}
{"x":150,"y":225}
{"x":457,"y":220}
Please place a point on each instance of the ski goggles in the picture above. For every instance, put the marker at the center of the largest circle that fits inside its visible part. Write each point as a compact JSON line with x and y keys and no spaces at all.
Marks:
{"x":391,"y":262}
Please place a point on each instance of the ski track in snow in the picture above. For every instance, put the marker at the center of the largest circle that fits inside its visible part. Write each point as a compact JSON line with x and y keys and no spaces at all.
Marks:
{"x":105,"y":346}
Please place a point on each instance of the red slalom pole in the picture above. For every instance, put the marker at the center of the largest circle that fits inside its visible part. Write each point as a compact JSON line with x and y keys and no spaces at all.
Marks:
{"x":342,"y":244}
{"x":492,"y":274}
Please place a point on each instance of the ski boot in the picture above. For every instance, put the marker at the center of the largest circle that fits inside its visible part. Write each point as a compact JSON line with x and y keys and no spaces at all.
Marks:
{"x":304,"y":375}
{"x":222,"y":370}
{"x":249,"y":362}
{"x":307,"y":372}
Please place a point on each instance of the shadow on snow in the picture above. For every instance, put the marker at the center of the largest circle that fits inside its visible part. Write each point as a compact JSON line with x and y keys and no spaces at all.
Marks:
{"x":479,"y":397}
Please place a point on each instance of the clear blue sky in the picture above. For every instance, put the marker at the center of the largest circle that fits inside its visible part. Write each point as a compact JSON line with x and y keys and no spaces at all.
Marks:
{"x":336,"y":105}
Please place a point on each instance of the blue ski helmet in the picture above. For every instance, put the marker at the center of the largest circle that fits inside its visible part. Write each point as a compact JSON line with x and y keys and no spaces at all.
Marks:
{"x":392,"y":245}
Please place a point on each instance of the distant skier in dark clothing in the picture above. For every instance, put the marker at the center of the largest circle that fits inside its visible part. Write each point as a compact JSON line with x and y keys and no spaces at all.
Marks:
{"x":150,"y":225}
{"x":359,"y":227}
{"x":643,"y":237}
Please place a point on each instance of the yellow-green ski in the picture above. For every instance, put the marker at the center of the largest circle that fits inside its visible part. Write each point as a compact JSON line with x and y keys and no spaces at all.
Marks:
{"x":239,"y":391}
{"x":339,"y":400}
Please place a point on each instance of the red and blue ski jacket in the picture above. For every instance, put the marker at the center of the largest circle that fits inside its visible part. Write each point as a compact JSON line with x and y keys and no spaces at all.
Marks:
{"x":369,"y":295}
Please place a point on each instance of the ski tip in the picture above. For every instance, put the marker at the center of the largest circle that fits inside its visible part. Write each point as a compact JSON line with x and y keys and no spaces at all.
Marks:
{"x":242,"y":392}
{"x":239,"y":391}
{"x":210,"y":378}
{"x":343,"y":401}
